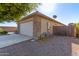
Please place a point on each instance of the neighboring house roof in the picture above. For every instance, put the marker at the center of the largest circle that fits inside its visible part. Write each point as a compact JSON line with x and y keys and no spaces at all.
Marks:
{"x":9,"y":29}
{"x":39,"y":14}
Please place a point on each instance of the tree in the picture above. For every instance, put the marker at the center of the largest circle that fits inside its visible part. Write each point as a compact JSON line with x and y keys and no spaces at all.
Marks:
{"x":14,"y":11}
{"x":77,"y":29}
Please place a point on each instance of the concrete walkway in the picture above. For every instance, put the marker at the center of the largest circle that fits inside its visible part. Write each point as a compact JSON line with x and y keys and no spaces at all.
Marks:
{"x":8,"y":40}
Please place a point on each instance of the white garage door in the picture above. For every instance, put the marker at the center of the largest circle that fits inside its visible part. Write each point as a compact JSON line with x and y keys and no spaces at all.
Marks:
{"x":27,"y":28}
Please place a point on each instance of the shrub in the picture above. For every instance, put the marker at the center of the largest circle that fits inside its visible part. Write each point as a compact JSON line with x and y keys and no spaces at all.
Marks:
{"x":77,"y":29}
{"x":3,"y":32}
{"x":42,"y":36}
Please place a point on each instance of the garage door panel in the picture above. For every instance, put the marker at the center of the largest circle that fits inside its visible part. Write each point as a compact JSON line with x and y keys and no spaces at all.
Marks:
{"x":27,"y":28}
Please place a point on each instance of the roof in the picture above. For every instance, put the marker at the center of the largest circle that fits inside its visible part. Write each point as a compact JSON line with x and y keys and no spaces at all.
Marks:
{"x":9,"y":29}
{"x":40,"y":14}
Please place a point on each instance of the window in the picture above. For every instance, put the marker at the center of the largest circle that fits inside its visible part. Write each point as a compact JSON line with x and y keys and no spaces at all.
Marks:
{"x":49,"y":26}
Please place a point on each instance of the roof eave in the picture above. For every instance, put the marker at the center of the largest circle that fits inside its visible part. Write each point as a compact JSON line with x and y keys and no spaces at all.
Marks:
{"x":39,"y":14}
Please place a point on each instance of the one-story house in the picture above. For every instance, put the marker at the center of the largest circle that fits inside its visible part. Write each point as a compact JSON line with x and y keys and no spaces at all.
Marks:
{"x":37,"y":23}
{"x":9,"y":29}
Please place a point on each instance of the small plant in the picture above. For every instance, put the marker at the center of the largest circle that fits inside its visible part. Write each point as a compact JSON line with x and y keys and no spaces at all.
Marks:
{"x":42,"y":37}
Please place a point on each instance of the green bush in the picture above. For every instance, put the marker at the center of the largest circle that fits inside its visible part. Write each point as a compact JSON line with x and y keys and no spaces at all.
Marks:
{"x":3,"y":32}
{"x":77,"y":29}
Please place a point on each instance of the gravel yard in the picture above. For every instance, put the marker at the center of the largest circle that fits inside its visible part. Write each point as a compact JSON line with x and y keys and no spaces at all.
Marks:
{"x":55,"y":46}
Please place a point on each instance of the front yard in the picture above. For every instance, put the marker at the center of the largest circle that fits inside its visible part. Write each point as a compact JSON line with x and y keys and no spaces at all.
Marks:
{"x":55,"y":46}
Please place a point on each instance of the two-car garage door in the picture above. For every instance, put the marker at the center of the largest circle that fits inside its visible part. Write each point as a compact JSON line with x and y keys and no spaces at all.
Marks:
{"x":26,"y":28}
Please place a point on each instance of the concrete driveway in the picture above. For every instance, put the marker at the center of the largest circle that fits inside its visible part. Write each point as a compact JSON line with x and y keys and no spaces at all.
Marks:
{"x":8,"y":40}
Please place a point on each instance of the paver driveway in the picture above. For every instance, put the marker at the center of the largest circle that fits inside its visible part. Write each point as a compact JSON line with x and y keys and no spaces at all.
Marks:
{"x":8,"y":40}
{"x":55,"y":46}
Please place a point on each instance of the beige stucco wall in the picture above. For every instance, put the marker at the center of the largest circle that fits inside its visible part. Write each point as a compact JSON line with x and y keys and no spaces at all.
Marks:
{"x":44,"y":24}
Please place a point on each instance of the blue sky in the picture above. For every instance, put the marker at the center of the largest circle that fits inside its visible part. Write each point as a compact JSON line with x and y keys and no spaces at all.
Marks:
{"x":66,"y":12}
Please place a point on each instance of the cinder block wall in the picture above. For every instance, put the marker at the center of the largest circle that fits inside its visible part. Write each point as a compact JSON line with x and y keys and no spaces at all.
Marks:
{"x":60,"y":30}
{"x":69,"y":30}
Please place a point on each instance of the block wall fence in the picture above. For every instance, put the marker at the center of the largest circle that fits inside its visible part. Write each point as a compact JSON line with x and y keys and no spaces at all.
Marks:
{"x":69,"y":30}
